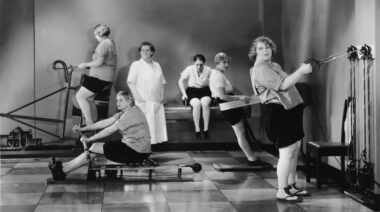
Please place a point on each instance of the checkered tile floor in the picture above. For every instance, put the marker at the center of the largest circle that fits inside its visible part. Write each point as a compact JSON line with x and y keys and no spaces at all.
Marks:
{"x":24,"y":188}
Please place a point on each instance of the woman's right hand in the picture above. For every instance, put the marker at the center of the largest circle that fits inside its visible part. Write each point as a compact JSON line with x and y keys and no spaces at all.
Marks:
{"x":82,"y":66}
{"x":305,"y":68}
{"x":184,"y":97}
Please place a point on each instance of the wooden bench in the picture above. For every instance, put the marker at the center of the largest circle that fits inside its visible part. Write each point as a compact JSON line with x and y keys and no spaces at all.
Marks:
{"x":175,"y":111}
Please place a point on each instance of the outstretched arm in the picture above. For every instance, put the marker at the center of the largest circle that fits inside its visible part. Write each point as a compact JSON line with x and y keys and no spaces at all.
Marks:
{"x":104,"y":133}
{"x":296,"y":76}
{"x":97,"y":125}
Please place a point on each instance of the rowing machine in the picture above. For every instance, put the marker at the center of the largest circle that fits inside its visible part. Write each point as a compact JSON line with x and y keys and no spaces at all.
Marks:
{"x":111,"y":169}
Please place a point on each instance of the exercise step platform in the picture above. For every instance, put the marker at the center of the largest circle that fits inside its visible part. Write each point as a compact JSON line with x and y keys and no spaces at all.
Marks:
{"x":220,"y":167}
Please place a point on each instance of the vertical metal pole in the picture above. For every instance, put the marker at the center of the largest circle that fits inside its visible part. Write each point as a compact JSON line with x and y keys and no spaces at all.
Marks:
{"x":66,"y":105}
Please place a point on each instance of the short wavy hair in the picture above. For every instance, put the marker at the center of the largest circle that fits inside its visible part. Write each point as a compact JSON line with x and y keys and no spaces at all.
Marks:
{"x":199,"y":57}
{"x":102,"y":30}
{"x":221,"y":57}
{"x":127,"y":95}
{"x":147,"y":43}
{"x":262,"y":39}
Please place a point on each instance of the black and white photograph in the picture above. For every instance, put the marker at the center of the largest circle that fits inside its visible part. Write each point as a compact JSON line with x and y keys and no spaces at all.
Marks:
{"x":189,"y":105}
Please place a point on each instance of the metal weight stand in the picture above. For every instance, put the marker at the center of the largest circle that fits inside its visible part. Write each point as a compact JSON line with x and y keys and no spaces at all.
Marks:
{"x":360,"y":167}
{"x":57,"y":65}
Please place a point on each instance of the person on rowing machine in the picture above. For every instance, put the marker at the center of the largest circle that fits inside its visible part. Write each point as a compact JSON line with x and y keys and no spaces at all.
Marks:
{"x":133,"y":147}
{"x":101,"y":73}
{"x":282,"y":113}
{"x":221,"y":90}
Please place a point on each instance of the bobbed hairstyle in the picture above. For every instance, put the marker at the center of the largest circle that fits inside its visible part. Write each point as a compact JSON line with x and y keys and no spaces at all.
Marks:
{"x":102,"y":30}
{"x":147,"y":43}
{"x":199,"y":57}
{"x":262,"y":39}
{"x":127,"y":95}
{"x":221,"y":57}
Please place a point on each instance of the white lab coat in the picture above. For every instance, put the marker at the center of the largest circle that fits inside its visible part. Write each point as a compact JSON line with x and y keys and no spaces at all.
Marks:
{"x":149,"y":83}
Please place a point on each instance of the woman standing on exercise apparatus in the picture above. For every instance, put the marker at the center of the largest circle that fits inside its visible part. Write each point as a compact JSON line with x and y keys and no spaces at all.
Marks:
{"x":197,"y":93}
{"x":283,"y":113}
{"x":102,"y":69}
{"x":133,"y":147}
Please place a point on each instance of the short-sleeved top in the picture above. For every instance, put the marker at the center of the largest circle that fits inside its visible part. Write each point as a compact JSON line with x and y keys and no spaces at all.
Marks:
{"x":134,"y":128}
{"x":106,"y":49}
{"x":266,"y":79}
{"x":148,"y":80}
{"x":219,"y":80}
{"x":196,"y":80}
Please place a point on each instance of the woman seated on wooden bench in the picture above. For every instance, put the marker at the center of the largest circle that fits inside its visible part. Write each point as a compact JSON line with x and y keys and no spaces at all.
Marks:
{"x":133,"y":147}
{"x":197,"y":93}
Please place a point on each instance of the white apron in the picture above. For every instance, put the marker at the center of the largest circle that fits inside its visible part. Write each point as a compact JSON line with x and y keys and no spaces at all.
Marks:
{"x":155,"y":115}
{"x":150,"y":84}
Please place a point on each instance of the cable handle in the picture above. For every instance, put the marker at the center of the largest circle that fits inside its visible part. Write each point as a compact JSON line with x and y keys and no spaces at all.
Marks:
{"x":352,"y":53}
{"x":315,"y":65}
{"x":63,"y":67}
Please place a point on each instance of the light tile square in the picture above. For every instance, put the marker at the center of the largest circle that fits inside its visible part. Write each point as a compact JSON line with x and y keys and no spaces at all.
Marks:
{"x":133,"y":197}
{"x":69,"y":208}
{"x":202,"y":206}
{"x":250,"y":194}
{"x":20,"y":198}
{"x":183,"y":186}
{"x":32,"y":178}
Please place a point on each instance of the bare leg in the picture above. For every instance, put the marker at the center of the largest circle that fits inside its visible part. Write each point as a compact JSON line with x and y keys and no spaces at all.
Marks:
{"x":242,"y":141}
{"x":283,"y":168}
{"x":196,"y":104}
{"x":82,"y":97}
{"x":205,"y":101}
{"x":82,"y":159}
{"x":293,"y":168}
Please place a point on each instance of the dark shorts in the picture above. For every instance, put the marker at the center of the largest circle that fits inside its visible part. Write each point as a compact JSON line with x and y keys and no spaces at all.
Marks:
{"x":283,"y":127}
{"x":119,"y":152}
{"x":233,"y":116}
{"x":198,"y":92}
{"x":93,"y":84}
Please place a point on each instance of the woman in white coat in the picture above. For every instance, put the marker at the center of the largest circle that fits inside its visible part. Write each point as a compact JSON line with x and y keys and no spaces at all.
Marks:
{"x":146,"y":82}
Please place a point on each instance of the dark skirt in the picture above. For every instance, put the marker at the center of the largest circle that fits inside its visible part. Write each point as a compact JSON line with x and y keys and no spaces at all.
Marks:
{"x":283,"y":127}
{"x":198,"y":93}
{"x":94,"y":84}
{"x":120,"y":152}
{"x":233,"y":116}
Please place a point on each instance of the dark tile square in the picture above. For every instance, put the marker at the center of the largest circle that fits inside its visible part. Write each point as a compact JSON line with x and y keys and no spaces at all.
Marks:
{"x":195,"y":196}
{"x":136,"y":207}
{"x":209,"y":154}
